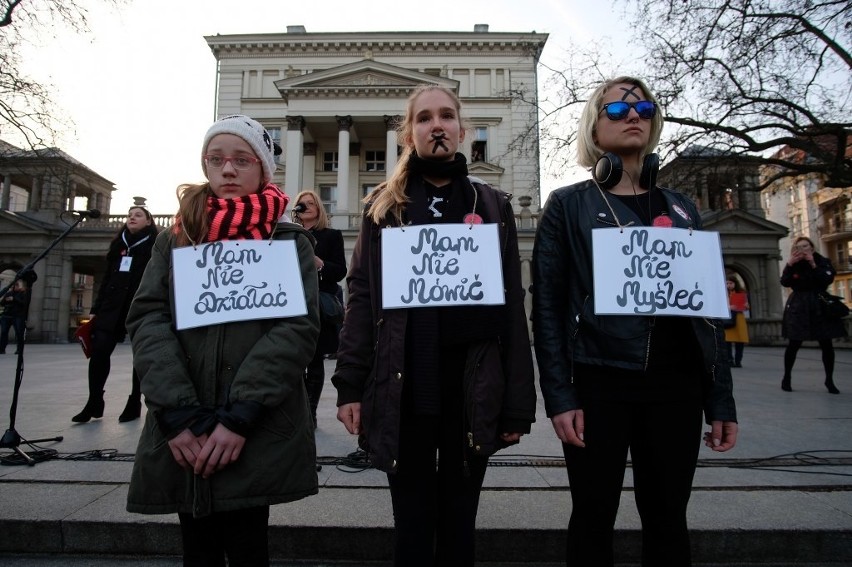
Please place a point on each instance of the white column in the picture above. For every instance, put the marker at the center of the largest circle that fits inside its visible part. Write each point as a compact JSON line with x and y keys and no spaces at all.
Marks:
{"x":7,"y":192}
{"x":63,"y":315}
{"x":344,"y":123}
{"x":293,"y":160}
{"x":390,"y":144}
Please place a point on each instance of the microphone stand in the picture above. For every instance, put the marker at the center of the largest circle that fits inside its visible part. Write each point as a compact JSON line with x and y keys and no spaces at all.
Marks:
{"x":12,"y":439}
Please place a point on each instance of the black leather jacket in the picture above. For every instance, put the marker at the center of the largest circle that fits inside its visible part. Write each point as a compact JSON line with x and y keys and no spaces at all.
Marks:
{"x":565,"y":327}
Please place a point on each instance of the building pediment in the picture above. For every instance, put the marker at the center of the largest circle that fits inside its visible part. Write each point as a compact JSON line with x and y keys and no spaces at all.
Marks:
{"x":738,"y":221}
{"x":15,"y":223}
{"x":362,"y":78}
{"x":479,"y":168}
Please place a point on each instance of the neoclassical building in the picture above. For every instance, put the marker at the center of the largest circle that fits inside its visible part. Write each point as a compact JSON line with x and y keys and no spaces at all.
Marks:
{"x":332,"y":101}
{"x":39,"y":188}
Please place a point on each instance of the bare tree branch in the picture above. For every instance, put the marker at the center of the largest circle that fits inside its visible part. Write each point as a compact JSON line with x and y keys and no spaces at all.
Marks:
{"x":28,"y":113}
{"x":743,"y":77}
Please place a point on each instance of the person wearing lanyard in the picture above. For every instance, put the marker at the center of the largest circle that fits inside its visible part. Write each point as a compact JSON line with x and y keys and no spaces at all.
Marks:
{"x":126,"y":258}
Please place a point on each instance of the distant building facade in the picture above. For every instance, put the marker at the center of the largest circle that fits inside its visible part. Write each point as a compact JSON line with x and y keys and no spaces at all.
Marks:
{"x":38,"y":189}
{"x":332,"y":101}
{"x":725,"y":189}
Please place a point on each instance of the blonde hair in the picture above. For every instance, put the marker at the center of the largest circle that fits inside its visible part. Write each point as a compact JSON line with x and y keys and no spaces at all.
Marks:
{"x":588,"y":151}
{"x":389,"y":195}
{"x":192,"y":213}
{"x":322,"y":217}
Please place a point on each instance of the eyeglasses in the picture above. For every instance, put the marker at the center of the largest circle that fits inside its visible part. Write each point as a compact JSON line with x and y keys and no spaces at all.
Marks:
{"x":619,"y":109}
{"x":238,"y":162}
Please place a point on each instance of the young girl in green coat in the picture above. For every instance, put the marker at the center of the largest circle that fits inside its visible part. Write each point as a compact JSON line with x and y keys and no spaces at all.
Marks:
{"x":228,"y":431}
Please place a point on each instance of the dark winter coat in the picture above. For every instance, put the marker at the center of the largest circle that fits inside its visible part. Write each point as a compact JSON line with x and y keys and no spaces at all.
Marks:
{"x":804,"y":318}
{"x":499,"y":382}
{"x":566,"y":328}
{"x":258,"y":363}
{"x":118,"y":288}
{"x":330,"y":248}
{"x":14,"y":304}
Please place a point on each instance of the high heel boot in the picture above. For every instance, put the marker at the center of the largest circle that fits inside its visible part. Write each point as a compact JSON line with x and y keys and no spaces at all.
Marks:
{"x":785,"y":384}
{"x":829,"y":384}
{"x":93,"y":408}
{"x":132,"y":410}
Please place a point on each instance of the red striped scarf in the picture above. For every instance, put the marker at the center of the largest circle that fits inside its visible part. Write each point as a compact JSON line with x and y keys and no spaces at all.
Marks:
{"x":252,"y":217}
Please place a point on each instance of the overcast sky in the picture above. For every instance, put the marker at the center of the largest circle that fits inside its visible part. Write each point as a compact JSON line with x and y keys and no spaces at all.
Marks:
{"x":141,"y":87}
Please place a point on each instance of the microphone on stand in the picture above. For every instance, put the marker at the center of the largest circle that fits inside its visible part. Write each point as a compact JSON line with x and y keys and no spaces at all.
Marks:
{"x":300,"y":208}
{"x":91,"y":213}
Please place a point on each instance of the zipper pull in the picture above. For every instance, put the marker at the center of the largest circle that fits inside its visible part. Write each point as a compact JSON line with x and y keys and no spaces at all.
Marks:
{"x":469,"y":441}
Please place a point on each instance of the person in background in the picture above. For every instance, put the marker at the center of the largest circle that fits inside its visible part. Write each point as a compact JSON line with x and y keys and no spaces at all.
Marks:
{"x":737,"y":336}
{"x":432,"y":392}
{"x":807,"y":273}
{"x":14,"y":315}
{"x":228,"y":432}
{"x":619,"y":383}
{"x":126,"y":259}
{"x":330,"y":260}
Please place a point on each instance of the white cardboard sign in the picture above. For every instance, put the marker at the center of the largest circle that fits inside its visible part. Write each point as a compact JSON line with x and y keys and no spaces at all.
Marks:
{"x":434,"y":265}
{"x":237,"y":280}
{"x":659,"y":271}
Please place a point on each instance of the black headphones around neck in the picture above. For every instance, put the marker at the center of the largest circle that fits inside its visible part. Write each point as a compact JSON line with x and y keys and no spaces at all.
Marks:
{"x":608,"y":170}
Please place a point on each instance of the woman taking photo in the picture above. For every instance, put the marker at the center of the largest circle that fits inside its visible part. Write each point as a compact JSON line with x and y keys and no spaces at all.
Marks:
{"x":126,"y":259}
{"x":619,"y":383}
{"x":331,"y":268}
{"x":808,"y":273}
{"x":433,"y":391}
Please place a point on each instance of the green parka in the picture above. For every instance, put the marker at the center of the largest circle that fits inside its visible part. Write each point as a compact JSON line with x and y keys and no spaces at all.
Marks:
{"x":260,"y":361}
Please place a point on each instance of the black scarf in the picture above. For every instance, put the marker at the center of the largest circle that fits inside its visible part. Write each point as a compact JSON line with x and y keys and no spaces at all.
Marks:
{"x":457,"y":167}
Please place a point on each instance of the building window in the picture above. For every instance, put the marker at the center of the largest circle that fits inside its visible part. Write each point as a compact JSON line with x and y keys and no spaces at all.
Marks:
{"x":374,"y":160}
{"x":328,"y":194}
{"x":329,"y":161}
{"x":478,"y":150}
{"x":275,"y":134}
{"x":367,"y":188}
{"x":796,"y":224}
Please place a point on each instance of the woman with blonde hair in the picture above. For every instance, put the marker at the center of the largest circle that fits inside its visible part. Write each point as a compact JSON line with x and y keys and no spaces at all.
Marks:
{"x":330,"y":261}
{"x":614,"y":384}
{"x":433,"y":391}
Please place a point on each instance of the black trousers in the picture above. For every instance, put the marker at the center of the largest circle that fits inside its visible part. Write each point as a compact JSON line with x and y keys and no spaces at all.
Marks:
{"x":103,"y":345}
{"x":663,"y":439}
{"x":314,"y":381}
{"x":6,"y":323}
{"x":435,"y":504}
{"x":241,"y":535}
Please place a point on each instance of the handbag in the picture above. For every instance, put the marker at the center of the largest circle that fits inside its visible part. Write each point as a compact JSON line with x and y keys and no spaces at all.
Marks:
{"x":84,"y":335}
{"x":832,"y":305}
{"x":331,"y":310}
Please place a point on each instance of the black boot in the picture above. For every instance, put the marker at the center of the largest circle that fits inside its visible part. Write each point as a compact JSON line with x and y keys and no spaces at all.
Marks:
{"x":832,"y":389}
{"x":785,"y":384}
{"x":93,"y":408}
{"x":132,"y":410}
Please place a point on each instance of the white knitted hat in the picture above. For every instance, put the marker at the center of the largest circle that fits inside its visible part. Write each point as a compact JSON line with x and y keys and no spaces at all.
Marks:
{"x":252,"y":132}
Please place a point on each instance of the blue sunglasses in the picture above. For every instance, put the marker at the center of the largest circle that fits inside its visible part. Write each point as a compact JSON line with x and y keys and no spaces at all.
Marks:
{"x":620,"y":109}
